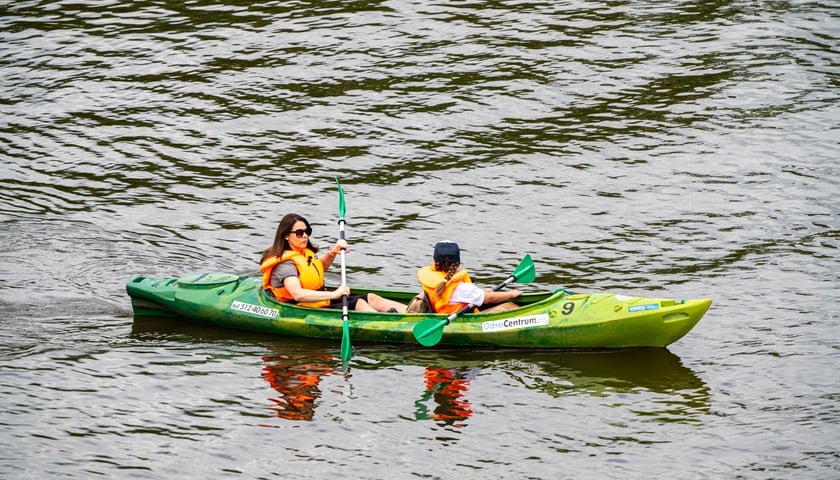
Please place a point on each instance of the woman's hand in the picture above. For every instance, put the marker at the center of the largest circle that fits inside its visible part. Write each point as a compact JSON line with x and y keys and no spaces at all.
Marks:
{"x":339,"y":246}
{"x":328,"y":257}
{"x":341,"y":291}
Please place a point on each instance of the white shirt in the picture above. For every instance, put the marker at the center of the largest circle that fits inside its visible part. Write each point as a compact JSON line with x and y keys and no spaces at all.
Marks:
{"x":467,"y":293}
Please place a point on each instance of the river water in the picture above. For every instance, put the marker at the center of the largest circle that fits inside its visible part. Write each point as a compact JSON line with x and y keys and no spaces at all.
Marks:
{"x":680,"y":149}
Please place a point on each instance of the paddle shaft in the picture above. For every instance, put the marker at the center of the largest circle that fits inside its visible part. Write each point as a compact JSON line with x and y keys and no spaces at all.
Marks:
{"x":341,"y":235}
{"x":346,"y":349}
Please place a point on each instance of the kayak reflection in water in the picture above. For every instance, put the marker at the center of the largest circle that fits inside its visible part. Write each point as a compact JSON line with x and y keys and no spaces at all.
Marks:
{"x":296,"y":378}
{"x":447,"y":387}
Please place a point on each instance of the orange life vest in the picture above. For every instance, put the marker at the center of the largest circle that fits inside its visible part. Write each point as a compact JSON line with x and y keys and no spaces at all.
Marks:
{"x":430,"y":278}
{"x":310,"y":273}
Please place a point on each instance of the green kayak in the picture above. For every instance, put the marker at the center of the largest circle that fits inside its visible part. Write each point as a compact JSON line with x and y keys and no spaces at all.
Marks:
{"x":558,"y":319}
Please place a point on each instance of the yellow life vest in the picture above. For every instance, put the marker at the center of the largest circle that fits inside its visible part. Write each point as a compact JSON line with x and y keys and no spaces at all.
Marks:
{"x":430,"y":278}
{"x":310,"y":273}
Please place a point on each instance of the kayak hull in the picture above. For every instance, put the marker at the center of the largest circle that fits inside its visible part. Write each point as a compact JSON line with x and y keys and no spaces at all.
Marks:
{"x":559,"y":319}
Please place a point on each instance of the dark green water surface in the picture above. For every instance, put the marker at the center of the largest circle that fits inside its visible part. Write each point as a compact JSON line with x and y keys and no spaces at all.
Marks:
{"x":678,"y":149}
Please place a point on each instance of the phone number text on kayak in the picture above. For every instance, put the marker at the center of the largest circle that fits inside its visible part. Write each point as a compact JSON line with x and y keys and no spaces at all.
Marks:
{"x":255,"y":309}
{"x":515,"y":323}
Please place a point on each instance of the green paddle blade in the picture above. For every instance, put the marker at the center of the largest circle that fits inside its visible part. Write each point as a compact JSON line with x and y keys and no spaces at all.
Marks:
{"x":346,"y":350}
{"x":525,"y":272}
{"x":341,"y":209}
{"x":429,"y":332}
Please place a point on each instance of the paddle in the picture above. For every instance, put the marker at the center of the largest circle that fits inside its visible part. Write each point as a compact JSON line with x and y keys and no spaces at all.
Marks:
{"x":346,"y":349}
{"x":429,"y":332}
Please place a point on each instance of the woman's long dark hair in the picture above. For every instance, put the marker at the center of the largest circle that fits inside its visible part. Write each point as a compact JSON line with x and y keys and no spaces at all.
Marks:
{"x":280,"y":244}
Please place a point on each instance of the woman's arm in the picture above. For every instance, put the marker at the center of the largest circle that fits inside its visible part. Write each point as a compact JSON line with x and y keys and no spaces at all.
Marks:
{"x":327,"y":258}
{"x":472,"y":293}
{"x":301,"y":294}
{"x":492,"y":297}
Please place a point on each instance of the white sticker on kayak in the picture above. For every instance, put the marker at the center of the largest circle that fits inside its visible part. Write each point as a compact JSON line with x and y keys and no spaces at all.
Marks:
{"x":515,"y":323}
{"x":255,"y":309}
{"x":642,"y":308}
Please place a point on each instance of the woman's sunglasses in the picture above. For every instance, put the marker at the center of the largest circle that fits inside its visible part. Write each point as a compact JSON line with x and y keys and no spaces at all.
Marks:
{"x":299,"y":232}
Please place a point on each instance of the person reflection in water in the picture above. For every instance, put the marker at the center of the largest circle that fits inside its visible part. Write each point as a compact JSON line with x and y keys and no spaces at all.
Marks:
{"x":447,"y":387}
{"x":296,"y":379}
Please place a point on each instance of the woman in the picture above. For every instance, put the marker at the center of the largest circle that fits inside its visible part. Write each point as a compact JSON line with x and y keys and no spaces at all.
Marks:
{"x":449,"y":287}
{"x":292,"y":273}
